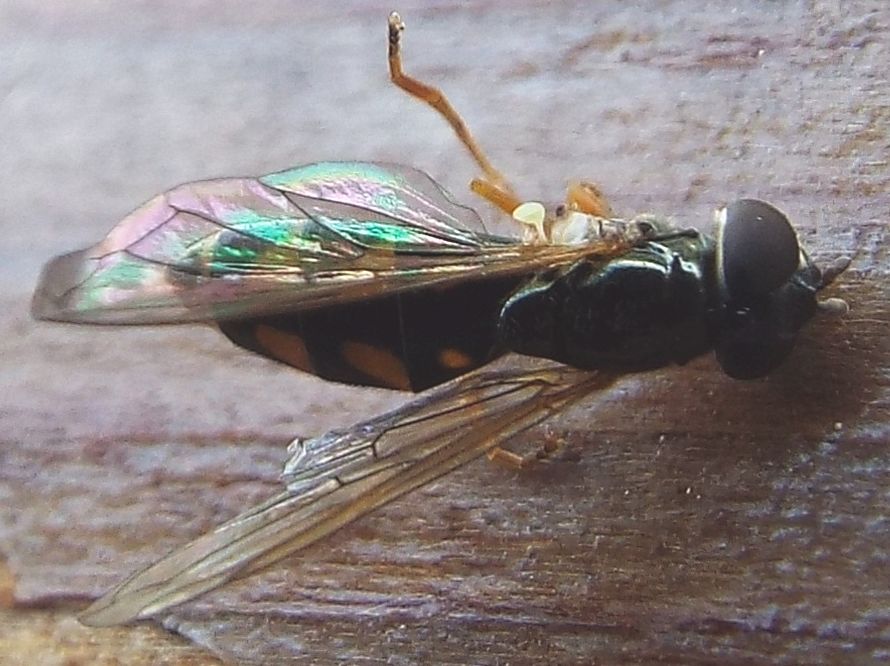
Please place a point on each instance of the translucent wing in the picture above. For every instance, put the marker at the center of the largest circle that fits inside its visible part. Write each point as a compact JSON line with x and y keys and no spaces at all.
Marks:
{"x":336,"y":478}
{"x":231,"y":248}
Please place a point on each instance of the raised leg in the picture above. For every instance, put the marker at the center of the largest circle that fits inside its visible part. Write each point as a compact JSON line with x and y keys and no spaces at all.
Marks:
{"x":581,"y":196}
{"x":493,"y":186}
{"x":500,"y":195}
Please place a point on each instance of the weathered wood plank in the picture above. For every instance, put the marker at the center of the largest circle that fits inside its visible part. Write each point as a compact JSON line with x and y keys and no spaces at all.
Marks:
{"x":690,"y":519}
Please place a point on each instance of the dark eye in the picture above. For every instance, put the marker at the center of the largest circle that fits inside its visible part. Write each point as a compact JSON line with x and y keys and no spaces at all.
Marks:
{"x":757,"y":249}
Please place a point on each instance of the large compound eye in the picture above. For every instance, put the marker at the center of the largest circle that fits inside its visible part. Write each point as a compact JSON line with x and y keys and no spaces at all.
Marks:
{"x":757,"y":249}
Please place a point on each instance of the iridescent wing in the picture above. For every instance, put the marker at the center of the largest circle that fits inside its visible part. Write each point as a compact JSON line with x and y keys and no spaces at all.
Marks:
{"x":336,"y":478}
{"x":316,"y":234}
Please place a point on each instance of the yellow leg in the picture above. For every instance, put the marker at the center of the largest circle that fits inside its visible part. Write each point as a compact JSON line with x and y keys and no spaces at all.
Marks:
{"x":588,"y":198}
{"x":493,"y":186}
{"x":515,"y":461}
{"x":503,"y":198}
{"x":581,"y":196}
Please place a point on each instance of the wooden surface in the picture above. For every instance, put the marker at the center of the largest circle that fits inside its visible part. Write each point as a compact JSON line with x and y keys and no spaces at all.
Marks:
{"x":690,"y":519}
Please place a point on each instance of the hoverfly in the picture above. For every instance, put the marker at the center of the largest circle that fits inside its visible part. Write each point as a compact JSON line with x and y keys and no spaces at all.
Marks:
{"x":284,"y":264}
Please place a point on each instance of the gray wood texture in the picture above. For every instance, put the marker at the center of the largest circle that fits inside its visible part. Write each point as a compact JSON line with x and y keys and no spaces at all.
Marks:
{"x":690,"y":519}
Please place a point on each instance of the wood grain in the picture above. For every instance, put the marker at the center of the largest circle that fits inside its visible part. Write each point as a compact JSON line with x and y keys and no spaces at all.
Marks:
{"x":690,"y":519}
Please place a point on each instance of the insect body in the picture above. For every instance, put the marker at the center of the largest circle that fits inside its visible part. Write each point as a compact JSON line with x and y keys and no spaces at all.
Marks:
{"x":668,"y":301}
{"x":371,"y":274}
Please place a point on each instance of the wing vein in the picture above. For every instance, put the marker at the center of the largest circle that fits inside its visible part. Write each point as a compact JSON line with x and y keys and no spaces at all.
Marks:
{"x":467,"y":419}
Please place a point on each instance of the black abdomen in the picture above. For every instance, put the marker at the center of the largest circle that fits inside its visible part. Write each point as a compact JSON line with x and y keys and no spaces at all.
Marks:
{"x":410,"y":341}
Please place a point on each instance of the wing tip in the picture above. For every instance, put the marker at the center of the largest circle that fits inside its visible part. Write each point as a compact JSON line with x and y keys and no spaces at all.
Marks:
{"x":58,"y":278}
{"x":69,"y":292}
{"x":107,"y":611}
